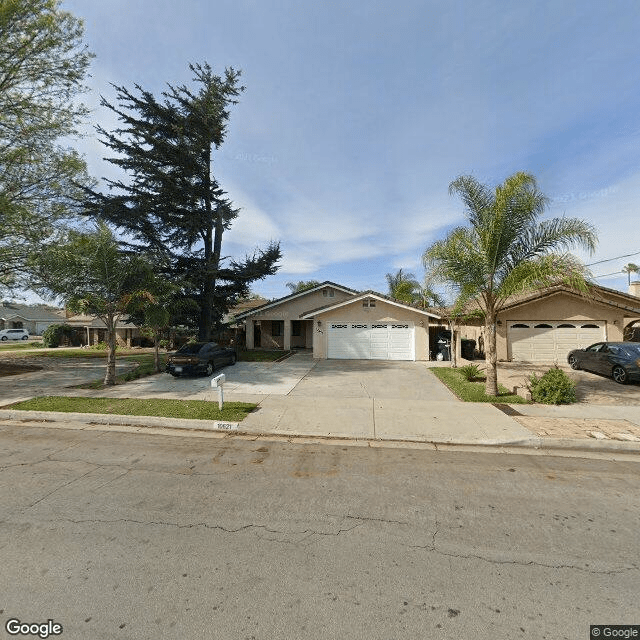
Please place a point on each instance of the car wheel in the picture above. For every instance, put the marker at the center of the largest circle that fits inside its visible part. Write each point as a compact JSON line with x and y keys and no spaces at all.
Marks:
{"x":25,"y":337}
{"x":620,"y":375}
{"x":233,"y":358}
{"x":573,"y":363}
{"x":4,"y":338}
{"x":209,"y":369}
{"x":175,"y":375}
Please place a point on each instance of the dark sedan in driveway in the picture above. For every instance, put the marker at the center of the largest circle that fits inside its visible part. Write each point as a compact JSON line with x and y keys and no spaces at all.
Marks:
{"x":199,"y":358}
{"x":618,"y":360}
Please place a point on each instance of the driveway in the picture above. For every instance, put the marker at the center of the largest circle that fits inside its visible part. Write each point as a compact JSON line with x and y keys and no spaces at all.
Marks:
{"x":591,"y":388}
{"x":57,"y":377}
{"x":299,"y":376}
{"x":382,"y":379}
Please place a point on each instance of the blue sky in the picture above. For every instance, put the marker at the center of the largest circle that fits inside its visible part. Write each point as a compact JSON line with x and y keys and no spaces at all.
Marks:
{"x":357,"y":116}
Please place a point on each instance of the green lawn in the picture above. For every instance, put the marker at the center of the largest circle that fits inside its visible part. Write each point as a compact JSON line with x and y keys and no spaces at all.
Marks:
{"x":166,"y":408}
{"x":18,"y":346}
{"x":473,"y":391}
{"x":258,"y":355}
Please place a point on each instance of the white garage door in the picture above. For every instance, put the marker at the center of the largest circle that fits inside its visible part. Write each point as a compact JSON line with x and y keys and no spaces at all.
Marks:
{"x":551,"y":341}
{"x":370,"y":341}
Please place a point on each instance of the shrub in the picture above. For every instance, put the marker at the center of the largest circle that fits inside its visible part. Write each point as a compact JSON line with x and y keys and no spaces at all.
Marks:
{"x":470,"y":372}
{"x":553,"y":387}
{"x":100,"y":346}
{"x":53,"y":334}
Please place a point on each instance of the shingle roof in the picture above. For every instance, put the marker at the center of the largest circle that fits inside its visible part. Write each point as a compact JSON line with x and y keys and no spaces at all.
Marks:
{"x":29,"y":312}
{"x":364,"y":294}
{"x":273,"y":303}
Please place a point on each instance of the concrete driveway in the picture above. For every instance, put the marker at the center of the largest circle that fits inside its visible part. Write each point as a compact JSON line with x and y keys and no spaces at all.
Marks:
{"x":57,"y":377}
{"x":300,"y":376}
{"x":382,"y":379}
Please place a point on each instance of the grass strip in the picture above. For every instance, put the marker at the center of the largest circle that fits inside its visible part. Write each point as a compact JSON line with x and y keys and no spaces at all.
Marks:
{"x":256,"y":355}
{"x":161,"y":407}
{"x":20,"y":346}
{"x":473,"y":391}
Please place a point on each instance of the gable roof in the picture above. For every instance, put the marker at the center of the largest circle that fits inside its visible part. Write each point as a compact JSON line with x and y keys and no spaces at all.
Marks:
{"x":10,"y":310}
{"x":279,"y":301}
{"x":368,"y":294}
{"x":598,"y":294}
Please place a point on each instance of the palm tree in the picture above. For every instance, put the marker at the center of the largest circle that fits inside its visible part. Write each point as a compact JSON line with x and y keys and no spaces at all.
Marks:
{"x":428,"y":296}
{"x":629,"y":269}
{"x":403,"y":286}
{"x":506,"y":250}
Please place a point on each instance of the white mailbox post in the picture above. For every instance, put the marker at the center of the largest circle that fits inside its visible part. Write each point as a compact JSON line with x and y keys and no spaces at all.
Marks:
{"x":218,"y":382}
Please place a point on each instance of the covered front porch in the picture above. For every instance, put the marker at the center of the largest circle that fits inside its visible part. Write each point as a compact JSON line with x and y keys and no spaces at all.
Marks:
{"x":279,"y":334}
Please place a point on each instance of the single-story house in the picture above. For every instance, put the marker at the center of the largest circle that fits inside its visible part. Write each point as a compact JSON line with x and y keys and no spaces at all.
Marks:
{"x":544,"y":325}
{"x":91,"y":330}
{"x":338,"y":322}
{"x":34,"y":318}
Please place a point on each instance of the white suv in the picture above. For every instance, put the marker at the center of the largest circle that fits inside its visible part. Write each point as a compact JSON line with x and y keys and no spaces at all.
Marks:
{"x":14,"y":334}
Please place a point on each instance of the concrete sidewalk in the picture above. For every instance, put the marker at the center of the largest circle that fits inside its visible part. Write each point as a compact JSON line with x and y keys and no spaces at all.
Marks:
{"x":356,"y":419}
{"x":307,"y":398}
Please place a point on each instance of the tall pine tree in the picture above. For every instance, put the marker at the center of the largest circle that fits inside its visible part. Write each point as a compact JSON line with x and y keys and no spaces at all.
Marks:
{"x":171,"y":202}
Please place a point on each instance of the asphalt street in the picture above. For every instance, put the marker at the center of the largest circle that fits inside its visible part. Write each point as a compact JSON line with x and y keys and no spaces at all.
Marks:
{"x":129,"y":535}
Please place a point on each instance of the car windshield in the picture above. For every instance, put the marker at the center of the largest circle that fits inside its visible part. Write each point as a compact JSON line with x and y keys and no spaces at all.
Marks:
{"x":191,"y":348}
{"x":632,"y":350}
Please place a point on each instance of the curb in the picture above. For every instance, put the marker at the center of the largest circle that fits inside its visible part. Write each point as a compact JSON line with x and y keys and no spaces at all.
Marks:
{"x":537,"y":443}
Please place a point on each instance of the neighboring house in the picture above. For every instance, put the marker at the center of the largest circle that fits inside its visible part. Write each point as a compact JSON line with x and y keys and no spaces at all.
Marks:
{"x":34,"y":318}
{"x":338,"y":322}
{"x":91,"y":330}
{"x":544,"y":325}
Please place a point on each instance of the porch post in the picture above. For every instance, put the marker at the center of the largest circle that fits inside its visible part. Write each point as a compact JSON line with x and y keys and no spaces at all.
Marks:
{"x":249,"y":323}
{"x":287,"y":335}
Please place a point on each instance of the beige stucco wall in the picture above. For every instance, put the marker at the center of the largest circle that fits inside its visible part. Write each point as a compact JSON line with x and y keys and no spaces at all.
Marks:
{"x":561,"y":306}
{"x":382,"y":312}
{"x":288,"y":311}
{"x":293,"y":309}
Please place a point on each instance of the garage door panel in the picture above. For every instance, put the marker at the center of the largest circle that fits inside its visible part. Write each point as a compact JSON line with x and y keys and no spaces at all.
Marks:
{"x":551,"y":341}
{"x":377,"y":341}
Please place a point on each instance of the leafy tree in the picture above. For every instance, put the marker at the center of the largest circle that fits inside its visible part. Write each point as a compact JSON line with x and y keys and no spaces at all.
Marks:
{"x":42,"y":68}
{"x":629,"y":269}
{"x":92,"y":275}
{"x":172,"y":203}
{"x":403,"y":286}
{"x":302,"y":285}
{"x":505,"y":249}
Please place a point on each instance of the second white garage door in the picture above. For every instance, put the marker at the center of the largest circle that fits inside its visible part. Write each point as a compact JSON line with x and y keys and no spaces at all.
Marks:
{"x":551,"y":341}
{"x":371,"y":341}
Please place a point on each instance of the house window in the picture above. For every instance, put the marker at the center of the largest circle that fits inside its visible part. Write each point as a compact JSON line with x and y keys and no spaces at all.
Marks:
{"x":590,"y":326}
{"x":543,"y":326}
{"x":328,"y":293}
{"x":566,"y":326}
{"x":296,"y":328}
{"x":277,"y":328}
{"x":369,"y":304}
{"x":520,"y":325}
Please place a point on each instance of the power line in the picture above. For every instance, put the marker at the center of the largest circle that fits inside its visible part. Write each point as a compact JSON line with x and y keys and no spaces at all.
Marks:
{"x":629,"y":255}
{"x":615,"y":273}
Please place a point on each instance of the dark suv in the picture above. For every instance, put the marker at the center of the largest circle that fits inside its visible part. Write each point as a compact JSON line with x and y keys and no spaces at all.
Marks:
{"x":199,"y":358}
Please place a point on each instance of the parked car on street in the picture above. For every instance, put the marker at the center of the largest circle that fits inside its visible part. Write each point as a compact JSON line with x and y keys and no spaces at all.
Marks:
{"x":618,"y":360}
{"x":14,"y":334}
{"x":199,"y":358}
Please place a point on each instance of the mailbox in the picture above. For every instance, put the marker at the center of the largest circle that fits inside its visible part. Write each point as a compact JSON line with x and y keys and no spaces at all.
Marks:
{"x":218,"y":381}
